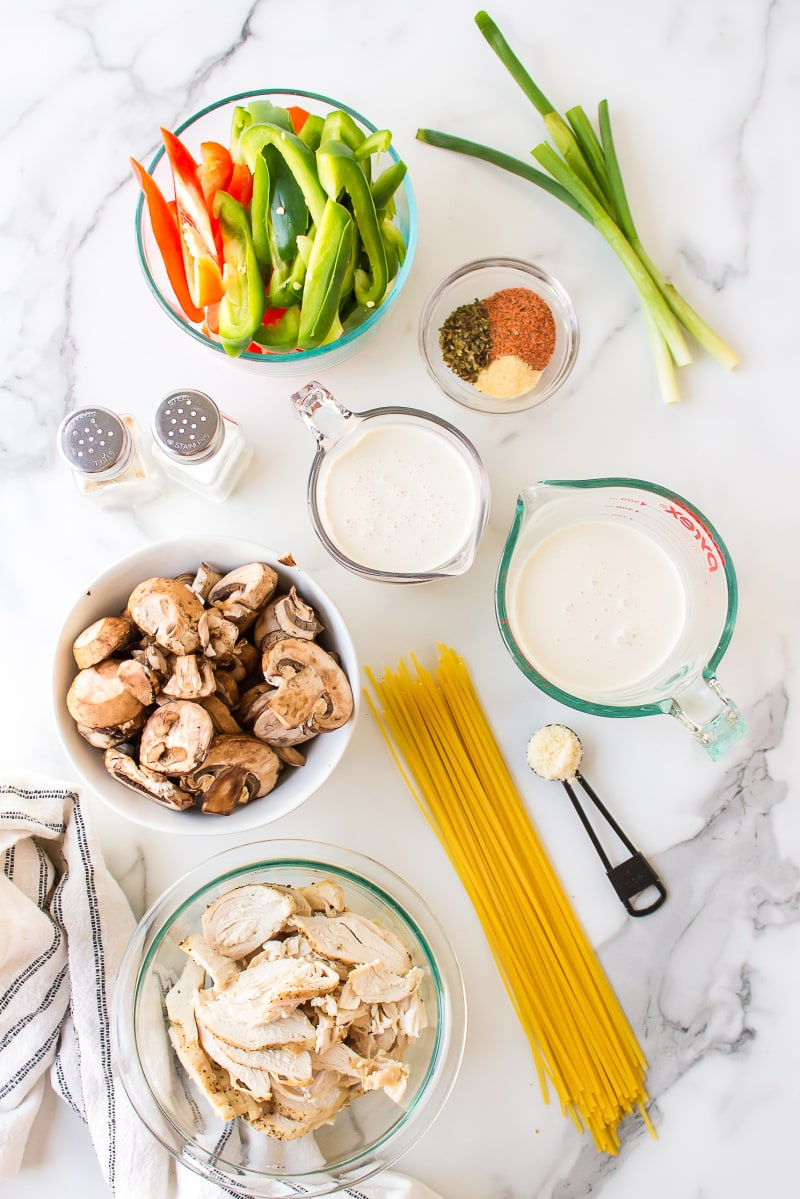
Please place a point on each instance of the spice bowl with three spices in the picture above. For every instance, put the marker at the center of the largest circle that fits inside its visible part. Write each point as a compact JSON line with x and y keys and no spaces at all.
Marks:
{"x":499,"y":335}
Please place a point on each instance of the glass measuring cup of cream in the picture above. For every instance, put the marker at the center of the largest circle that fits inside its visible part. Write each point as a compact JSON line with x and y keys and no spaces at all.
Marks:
{"x":618,"y":598}
{"x":395,"y":494}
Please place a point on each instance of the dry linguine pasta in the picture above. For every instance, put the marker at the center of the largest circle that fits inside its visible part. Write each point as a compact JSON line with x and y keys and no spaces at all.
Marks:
{"x":582,"y":1043}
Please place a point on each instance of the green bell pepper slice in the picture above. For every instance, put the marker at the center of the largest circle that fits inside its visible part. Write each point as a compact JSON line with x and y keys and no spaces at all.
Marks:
{"x":377,"y":143}
{"x":299,"y":159}
{"x":256,"y":113}
{"x":278,"y":210}
{"x":327,"y":264}
{"x":339,"y":126}
{"x":311,"y":133}
{"x":280,"y":334}
{"x":394,"y":245}
{"x":339,"y":172}
{"x":241,"y":308}
{"x":387,"y":184}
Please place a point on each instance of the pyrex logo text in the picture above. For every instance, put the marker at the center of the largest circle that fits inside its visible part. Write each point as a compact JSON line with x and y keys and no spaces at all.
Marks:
{"x":707,"y":544}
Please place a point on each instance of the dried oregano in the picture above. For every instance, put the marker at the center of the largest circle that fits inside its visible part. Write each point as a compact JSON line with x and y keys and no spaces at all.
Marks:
{"x":465,"y":341}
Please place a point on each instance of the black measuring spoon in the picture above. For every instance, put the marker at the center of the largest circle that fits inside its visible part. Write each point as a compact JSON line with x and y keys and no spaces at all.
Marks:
{"x":555,"y":753}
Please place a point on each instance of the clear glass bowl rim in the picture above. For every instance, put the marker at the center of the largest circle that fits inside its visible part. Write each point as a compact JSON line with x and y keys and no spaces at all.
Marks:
{"x":564,"y":697}
{"x":354,"y":866}
{"x":307,"y":356}
{"x":570,"y":326}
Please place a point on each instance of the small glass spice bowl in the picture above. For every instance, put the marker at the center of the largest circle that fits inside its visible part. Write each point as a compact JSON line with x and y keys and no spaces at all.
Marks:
{"x":477,"y":281}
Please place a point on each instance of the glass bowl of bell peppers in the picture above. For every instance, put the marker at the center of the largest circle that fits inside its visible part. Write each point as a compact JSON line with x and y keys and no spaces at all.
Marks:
{"x":276,"y":228}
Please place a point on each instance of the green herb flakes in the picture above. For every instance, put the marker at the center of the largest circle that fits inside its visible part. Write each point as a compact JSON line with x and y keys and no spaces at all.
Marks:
{"x":465,"y":341}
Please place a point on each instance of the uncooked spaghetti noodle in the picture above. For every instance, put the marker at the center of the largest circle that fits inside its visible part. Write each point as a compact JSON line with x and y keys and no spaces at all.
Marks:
{"x":581,"y":1040}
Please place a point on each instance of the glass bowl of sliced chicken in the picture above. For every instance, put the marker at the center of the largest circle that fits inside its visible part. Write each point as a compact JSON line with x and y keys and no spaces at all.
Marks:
{"x":289,"y":1011}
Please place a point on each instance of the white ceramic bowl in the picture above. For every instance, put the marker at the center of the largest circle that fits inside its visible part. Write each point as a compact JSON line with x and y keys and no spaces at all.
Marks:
{"x":108,"y":595}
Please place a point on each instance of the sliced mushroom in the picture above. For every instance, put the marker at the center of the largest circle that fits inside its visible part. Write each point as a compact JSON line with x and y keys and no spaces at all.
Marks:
{"x":154,"y":657}
{"x":285,"y":616}
{"x":192,"y":678}
{"x":98,"y":700}
{"x":242,"y":592}
{"x":102,"y":639}
{"x":253,"y":701}
{"x":140,"y":679}
{"x":107,"y":738}
{"x":236,"y":769}
{"x":124,"y":769}
{"x":176,"y":738}
{"x":245,"y":660}
{"x":169,"y":612}
{"x":220,"y":714}
{"x":226,"y":688}
{"x":218,"y":636}
{"x":289,"y":657}
{"x":290,"y":755}
{"x":206,"y":578}
{"x":269,"y":729}
{"x":297,"y":697}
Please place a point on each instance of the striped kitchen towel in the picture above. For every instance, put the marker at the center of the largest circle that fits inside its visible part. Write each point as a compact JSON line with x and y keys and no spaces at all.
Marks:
{"x":64,"y":925}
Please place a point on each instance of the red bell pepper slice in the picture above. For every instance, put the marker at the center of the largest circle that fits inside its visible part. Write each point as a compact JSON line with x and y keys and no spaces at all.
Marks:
{"x":164,"y":224}
{"x":298,"y":116}
{"x":240,"y":185}
{"x":200,"y":255}
{"x":214,"y":171}
{"x":273,"y":315}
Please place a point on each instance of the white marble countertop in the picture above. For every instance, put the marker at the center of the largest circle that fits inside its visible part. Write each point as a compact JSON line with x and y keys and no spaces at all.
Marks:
{"x":701,"y":96}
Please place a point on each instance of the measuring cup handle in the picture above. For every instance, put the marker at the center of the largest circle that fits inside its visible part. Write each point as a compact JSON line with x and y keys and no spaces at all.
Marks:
{"x":720,"y":730}
{"x":321,"y":413}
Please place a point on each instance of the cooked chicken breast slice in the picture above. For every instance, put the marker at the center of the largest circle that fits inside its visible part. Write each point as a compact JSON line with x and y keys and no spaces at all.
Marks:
{"x":221,"y":969}
{"x":378,"y":1073}
{"x":279,"y":1127}
{"x":325,"y":896}
{"x":288,"y":1065}
{"x":245,"y":1013}
{"x":210,"y":1079}
{"x":376,"y":983}
{"x":354,"y":939}
{"x":239,"y":922}
{"x":315,"y":1104}
{"x":294,"y":1030}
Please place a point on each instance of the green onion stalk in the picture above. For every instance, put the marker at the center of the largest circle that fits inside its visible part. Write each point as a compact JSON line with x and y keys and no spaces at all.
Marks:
{"x":583,"y":172}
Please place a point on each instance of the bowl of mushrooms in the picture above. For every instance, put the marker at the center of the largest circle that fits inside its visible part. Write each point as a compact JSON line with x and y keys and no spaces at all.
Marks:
{"x":289,"y":1012}
{"x":204,"y":678}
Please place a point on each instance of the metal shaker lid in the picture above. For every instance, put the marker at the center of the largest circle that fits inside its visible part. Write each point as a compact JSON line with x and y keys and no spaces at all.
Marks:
{"x":187,"y":425}
{"x":94,"y":440}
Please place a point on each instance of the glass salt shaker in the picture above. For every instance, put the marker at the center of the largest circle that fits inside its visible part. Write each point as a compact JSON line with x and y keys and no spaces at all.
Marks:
{"x":199,"y":446}
{"x":102,"y":450}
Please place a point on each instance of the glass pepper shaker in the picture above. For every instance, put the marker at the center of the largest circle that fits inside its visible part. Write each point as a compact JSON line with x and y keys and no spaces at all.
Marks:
{"x":199,"y":446}
{"x":103,"y":452}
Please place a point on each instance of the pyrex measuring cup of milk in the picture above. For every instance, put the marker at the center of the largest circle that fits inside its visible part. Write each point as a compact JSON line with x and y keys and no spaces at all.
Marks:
{"x":395,"y":494}
{"x":618,"y":598}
